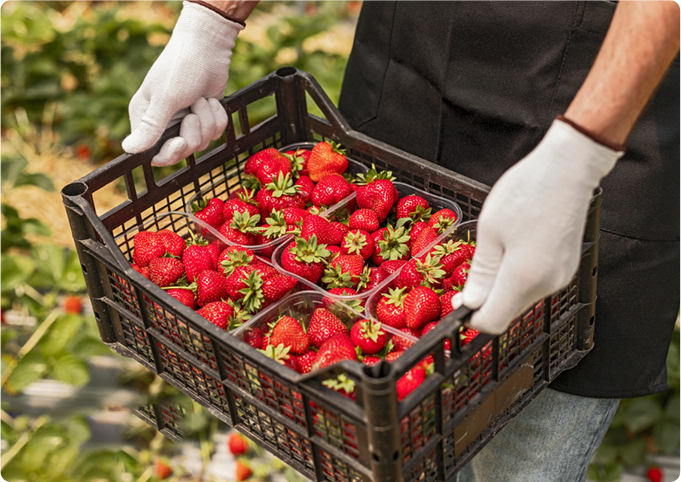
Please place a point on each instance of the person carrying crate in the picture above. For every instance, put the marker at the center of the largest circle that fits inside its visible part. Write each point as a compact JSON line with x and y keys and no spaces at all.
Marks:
{"x":538,"y":100}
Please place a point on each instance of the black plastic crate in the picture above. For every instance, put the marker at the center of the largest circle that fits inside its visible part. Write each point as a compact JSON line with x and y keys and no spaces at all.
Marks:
{"x":434,"y":431}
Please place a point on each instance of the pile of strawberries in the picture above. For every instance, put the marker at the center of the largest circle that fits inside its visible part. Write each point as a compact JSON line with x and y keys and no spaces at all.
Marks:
{"x":278,"y":191}
{"x":367,"y":242}
{"x":227,"y":285}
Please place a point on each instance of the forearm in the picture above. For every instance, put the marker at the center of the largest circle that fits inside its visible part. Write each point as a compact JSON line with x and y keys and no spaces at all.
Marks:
{"x":642,"y":41}
{"x":235,"y":8}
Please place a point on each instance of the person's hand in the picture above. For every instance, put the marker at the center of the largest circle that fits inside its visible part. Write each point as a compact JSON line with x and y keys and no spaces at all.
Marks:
{"x":191,"y":72}
{"x":531,"y":227}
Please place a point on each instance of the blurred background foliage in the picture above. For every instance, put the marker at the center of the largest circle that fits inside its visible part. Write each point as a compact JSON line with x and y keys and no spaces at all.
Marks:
{"x":69,"y":70}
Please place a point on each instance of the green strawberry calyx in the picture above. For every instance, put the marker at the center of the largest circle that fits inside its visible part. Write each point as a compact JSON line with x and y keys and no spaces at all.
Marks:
{"x":355,"y":242}
{"x":234,"y":260}
{"x":308,"y":251}
{"x":364,"y":278}
{"x":443,"y":223}
{"x":249,"y":181}
{"x":283,"y":185}
{"x":374,"y":175}
{"x":276,"y":225}
{"x":245,"y":222}
{"x":371,"y":330}
{"x":431,"y":270}
{"x":199,"y":205}
{"x":239,"y":316}
{"x":297,"y":162}
{"x":277,"y":353}
{"x":253,"y":295}
{"x":395,"y":296}
{"x":420,"y":214}
{"x":335,"y":277}
{"x":450,"y":247}
{"x":341,"y":382}
{"x":393,"y":244}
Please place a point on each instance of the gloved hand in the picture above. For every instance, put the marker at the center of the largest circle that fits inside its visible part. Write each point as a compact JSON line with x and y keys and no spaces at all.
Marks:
{"x":191,"y":71}
{"x":531,"y":227}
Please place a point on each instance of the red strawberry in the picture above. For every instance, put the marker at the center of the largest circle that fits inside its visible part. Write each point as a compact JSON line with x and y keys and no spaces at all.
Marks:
{"x":417,"y":272}
{"x":408,"y":383}
{"x":184,"y":296}
{"x":306,"y":186}
{"x":371,"y":278}
{"x":421,"y":306}
{"x":305,"y":361}
{"x":321,"y":227}
{"x":368,"y":336}
{"x":358,"y":241}
{"x":145,"y":271}
{"x":413,"y":207}
{"x":337,"y":348}
{"x":341,"y":229}
{"x":364,"y":219}
{"x":430,"y":326}
{"x":401,"y":343}
{"x":276,"y":287}
{"x":299,"y":159}
{"x":270,"y":169}
{"x":232,"y":206}
{"x":460,"y":275}
{"x":330,"y":190}
{"x":243,"y":471}
{"x":335,"y":251}
{"x":209,"y":211}
{"x":173,"y":242}
{"x":266,"y":271}
{"x":442,"y":220}
{"x":391,"y":267}
{"x":165,"y":271}
{"x":446,"y":301}
{"x":254,"y":162}
{"x":326,"y":159}
{"x":290,"y":333}
{"x":73,"y":305}
{"x":393,"y":355}
{"x":163,"y":471}
{"x":237,"y":444}
{"x":427,"y":237}
{"x":391,"y":244}
{"x":234,"y":257}
{"x":324,"y":325}
{"x":468,"y":335}
{"x":237,"y":281}
{"x":279,"y":194}
{"x":654,"y":474}
{"x":305,"y":258}
{"x":255,"y":337}
{"x":210,"y":286}
{"x":377,"y":192}
{"x":148,"y":246}
{"x":241,"y":229}
{"x":416,"y":230}
{"x":343,"y":271}
{"x":293,"y":216}
{"x":197,"y":259}
{"x":218,"y":313}
{"x":390,"y":309}
{"x":370,"y":360}
{"x":451,"y":254}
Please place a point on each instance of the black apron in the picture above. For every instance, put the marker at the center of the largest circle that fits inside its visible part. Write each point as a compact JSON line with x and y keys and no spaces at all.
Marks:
{"x":474,"y":87}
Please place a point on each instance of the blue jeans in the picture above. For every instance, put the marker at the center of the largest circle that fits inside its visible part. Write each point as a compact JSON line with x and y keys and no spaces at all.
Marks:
{"x":551,"y":440}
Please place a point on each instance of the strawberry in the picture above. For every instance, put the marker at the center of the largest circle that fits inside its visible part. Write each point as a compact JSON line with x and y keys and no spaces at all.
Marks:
{"x":393,"y":355}
{"x":209,"y":211}
{"x":335,"y":251}
{"x":417,"y":272}
{"x":163,"y":471}
{"x":148,"y":246}
{"x":241,"y":229}
{"x":330,"y":190}
{"x":290,"y":333}
{"x":442,"y":220}
{"x":275,"y":227}
{"x":242,"y":191}
{"x":243,"y":471}
{"x":272,"y":168}
{"x":237,"y":444}
{"x":165,"y":271}
{"x":416,"y":230}
{"x":342,"y":384}
{"x":255,"y":337}
{"x":324,"y":325}
{"x":210,"y":286}
{"x":343,"y":271}
{"x":446,"y":302}
{"x":73,"y":305}
{"x":218,"y":313}
{"x":413,"y":207}
{"x":265,"y":270}
{"x":234,"y":257}
{"x":358,"y":241}
{"x":451,"y":254}
{"x":468,"y":335}
{"x":276,"y":287}
{"x":371,"y":277}
{"x":254,"y":162}
{"x":654,"y":474}
{"x":326,"y":159}
{"x":305,"y":361}
{"x":409,"y":381}
{"x":293,"y":216}
{"x":392,"y":244}
{"x":337,"y":348}
{"x":173,"y":242}
{"x":232,"y":206}
{"x":421,"y":306}
{"x":390,"y":310}
{"x":401,"y":343}
{"x":306,"y":188}
{"x":279,"y":194}
{"x":321,"y":227}
{"x":145,"y":271}
{"x":460,"y":275}
{"x":392,"y":266}
{"x":183,"y":295}
{"x":299,"y":159}
{"x":237,"y":281}
{"x":426,"y":237}
{"x":430,"y":326}
{"x":377,"y":192}
{"x":364,"y":219}
{"x":305,"y":258}
{"x":197,"y":259}
{"x":341,"y":229}
{"x":370,"y":360}
{"x":282,"y":355}
{"x":368,"y":336}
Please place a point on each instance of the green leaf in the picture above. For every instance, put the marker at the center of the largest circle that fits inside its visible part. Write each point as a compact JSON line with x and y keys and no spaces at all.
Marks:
{"x":71,"y":370}
{"x":15,"y":270}
{"x":634,"y":453}
{"x":593,"y":473}
{"x":37,"y":179}
{"x":606,"y":453}
{"x":10,"y":167}
{"x":613,"y":471}
{"x":78,"y":429}
{"x":30,"y":368}
{"x":672,"y":407}
{"x":36,"y":226}
{"x":72,"y":279}
{"x":666,"y":436}
{"x":51,"y":261}
{"x":642,"y":413}
{"x":61,"y":460}
{"x":60,"y":334}
{"x":88,"y":346}
{"x":8,"y":432}
{"x":44,"y":441}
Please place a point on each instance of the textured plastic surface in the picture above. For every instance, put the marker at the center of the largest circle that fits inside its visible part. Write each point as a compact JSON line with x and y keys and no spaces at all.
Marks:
{"x":429,"y":435}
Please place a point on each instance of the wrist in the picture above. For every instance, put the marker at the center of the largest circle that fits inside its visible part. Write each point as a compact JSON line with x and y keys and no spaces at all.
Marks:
{"x":235,"y":10}
{"x":592,"y":134}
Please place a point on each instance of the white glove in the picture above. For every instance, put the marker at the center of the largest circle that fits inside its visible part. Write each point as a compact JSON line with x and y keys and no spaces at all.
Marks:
{"x":531,"y":227}
{"x":193,"y":67}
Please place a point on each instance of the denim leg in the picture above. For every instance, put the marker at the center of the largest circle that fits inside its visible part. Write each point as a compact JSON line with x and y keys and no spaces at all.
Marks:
{"x":551,"y":440}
